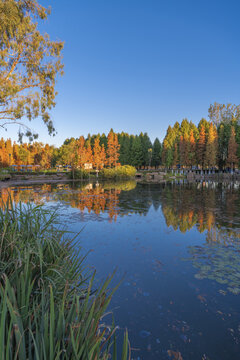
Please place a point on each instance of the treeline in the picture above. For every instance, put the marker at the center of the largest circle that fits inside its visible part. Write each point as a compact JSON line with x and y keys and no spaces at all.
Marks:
{"x":210,"y":144}
{"x":99,"y":150}
{"x":213,"y":143}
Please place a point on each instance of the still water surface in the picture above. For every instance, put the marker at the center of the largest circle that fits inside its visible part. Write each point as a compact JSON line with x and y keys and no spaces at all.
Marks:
{"x":178,"y":248}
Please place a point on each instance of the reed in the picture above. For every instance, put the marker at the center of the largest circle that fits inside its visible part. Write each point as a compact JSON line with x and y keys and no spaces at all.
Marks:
{"x":48,"y":305}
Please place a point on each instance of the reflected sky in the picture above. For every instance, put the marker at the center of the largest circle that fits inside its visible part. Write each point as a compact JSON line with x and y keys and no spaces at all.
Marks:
{"x":177,"y":248}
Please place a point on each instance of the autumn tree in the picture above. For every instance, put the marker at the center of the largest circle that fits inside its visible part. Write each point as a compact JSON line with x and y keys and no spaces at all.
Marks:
{"x":29,"y":65}
{"x":89,"y":154}
{"x":201,"y":146}
{"x":192,"y":149}
{"x":98,"y":154}
{"x":112,"y":149}
{"x":211,"y":148}
{"x":81,"y":152}
{"x":232,"y":159}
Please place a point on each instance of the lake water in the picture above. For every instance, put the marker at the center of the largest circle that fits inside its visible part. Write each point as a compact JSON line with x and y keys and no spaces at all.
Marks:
{"x":178,"y":248}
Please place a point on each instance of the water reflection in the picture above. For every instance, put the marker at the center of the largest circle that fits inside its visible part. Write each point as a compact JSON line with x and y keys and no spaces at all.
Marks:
{"x":179,"y":246}
{"x":215,"y":209}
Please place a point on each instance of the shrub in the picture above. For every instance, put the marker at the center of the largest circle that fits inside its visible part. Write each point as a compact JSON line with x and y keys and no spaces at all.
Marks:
{"x":79,"y":174}
{"x":125,"y":171}
{"x":49,"y":309}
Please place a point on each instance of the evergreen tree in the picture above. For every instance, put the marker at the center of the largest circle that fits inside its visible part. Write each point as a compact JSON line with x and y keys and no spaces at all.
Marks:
{"x":156,"y":153}
{"x":146,"y":145}
{"x":137,"y":153}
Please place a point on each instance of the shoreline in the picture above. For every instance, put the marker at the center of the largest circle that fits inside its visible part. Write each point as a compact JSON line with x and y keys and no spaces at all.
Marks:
{"x":15,"y":182}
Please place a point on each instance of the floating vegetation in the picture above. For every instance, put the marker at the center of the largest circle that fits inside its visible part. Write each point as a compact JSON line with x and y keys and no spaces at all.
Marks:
{"x":219,"y":263}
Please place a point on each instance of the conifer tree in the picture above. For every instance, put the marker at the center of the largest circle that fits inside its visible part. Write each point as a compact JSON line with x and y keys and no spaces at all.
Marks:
{"x":156,"y":153}
{"x":192,"y":149}
{"x":211,"y":148}
{"x":137,"y":153}
{"x":81,"y":152}
{"x":175,"y":155}
{"x":201,"y":148}
{"x":113,"y":149}
{"x":97,"y":154}
{"x":89,"y":154}
{"x":232,"y":159}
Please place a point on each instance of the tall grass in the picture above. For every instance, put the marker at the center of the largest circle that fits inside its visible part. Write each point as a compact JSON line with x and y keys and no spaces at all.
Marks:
{"x":119,"y":172}
{"x":48,"y":307}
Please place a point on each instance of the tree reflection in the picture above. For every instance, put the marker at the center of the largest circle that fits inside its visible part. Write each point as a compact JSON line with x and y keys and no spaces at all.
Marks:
{"x":212,"y":209}
{"x":96,"y":198}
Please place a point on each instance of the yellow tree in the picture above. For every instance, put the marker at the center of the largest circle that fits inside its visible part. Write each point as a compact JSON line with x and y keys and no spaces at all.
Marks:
{"x":201,"y":146}
{"x":211,"y":147}
{"x":81,"y":152}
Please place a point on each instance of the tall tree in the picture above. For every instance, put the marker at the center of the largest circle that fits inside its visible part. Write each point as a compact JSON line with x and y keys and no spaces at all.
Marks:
{"x":211,"y":148}
{"x":81,"y":152}
{"x":98,"y":154}
{"x":156,"y":153}
{"x":29,"y":65}
{"x":232,"y":159}
{"x":192,"y":149}
{"x":137,"y":153}
{"x":201,"y":148}
{"x":113,"y":149}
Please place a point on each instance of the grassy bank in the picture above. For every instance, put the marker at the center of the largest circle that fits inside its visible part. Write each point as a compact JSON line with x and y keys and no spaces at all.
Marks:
{"x":49,"y":307}
{"x":119,"y":172}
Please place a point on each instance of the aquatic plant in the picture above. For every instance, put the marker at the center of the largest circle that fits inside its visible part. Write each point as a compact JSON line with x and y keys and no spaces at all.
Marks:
{"x":49,"y":308}
{"x":219,"y":263}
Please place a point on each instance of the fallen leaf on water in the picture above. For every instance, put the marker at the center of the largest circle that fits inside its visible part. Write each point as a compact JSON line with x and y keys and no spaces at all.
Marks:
{"x":175,"y":355}
{"x":201,"y":298}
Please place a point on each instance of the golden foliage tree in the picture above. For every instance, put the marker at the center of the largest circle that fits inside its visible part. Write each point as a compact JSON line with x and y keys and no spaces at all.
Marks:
{"x":211,"y":147}
{"x":113,"y":148}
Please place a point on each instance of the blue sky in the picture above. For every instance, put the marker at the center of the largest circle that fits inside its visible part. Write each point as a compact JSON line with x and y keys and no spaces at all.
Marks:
{"x":140,"y":65}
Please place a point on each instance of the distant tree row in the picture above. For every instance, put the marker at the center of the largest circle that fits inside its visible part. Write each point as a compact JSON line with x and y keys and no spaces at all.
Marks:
{"x":213,"y":143}
{"x":210,"y":144}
